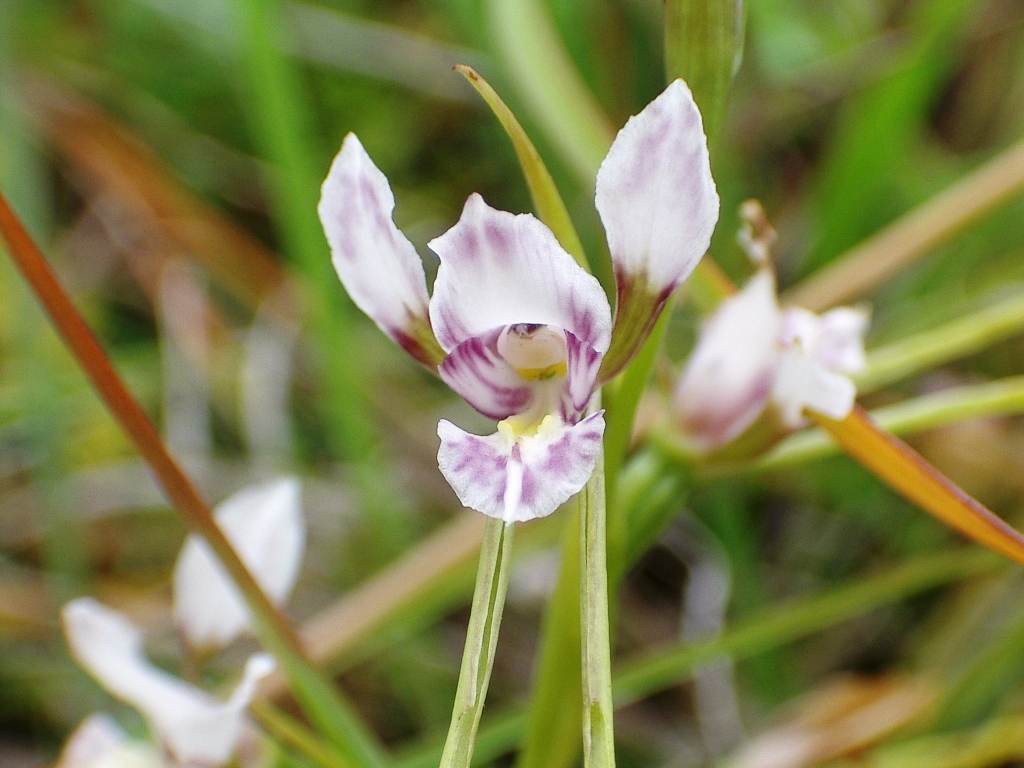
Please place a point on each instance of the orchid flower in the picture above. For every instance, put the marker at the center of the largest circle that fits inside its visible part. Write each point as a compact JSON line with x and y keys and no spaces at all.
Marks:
{"x":264,"y":524}
{"x":195,"y":727}
{"x":515,"y":326}
{"x":754,"y":358}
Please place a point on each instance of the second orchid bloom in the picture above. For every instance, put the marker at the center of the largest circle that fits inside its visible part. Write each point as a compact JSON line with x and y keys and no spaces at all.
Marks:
{"x":515,"y":326}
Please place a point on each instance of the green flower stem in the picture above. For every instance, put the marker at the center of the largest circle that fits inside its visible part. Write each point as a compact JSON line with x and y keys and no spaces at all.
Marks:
{"x":295,"y":736}
{"x":998,"y":398}
{"x":621,"y":405}
{"x":772,"y":628}
{"x":598,"y":732}
{"x":553,"y":723}
{"x":959,"y":338}
{"x":481,"y":641}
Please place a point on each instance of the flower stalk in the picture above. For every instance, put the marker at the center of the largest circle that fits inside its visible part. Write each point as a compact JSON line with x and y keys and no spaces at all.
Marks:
{"x":598,"y":731}
{"x":481,"y":641}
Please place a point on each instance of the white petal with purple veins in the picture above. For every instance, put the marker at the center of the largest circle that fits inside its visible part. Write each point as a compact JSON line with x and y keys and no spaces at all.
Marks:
{"x":265,"y":525}
{"x":477,"y":371}
{"x":584,"y":362}
{"x":194,"y":726}
{"x":801,"y":383}
{"x":728,"y":377}
{"x":655,"y":193}
{"x":518,"y":479}
{"x":377,"y":264}
{"x":500,"y":269}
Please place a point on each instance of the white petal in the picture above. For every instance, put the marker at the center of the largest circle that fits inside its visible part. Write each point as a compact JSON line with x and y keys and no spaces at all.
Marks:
{"x":584,"y":362}
{"x":265,"y":525}
{"x":835,"y":339}
{"x":477,"y":371}
{"x":99,"y":742}
{"x":729,"y":376}
{"x":377,"y":264}
{"x":194,"y":726}
{"x":520,"y":479}
{"x":499,"y":269}
{"x":801,"y":383}
{"x":655,"y":193}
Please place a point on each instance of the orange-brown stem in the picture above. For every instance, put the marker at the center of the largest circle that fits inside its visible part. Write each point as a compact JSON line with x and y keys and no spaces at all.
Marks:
{"x":904,"y":470}
{"x":124,"y":407}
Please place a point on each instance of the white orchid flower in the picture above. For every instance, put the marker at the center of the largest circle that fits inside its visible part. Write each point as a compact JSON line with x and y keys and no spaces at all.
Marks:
{"x":265,"y":526}
{"x":515,"y":325}
{"x":196,"y":728}
{"x":752,"y":355}
{"x":99,"y":742}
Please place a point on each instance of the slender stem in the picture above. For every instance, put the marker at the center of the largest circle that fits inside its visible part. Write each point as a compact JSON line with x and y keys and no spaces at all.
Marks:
{"x":598,"y":731}
{"x":481,"y":641}
{"x":296,"y":736}
{"x":321,"y":701}
{"x":950,"y":341}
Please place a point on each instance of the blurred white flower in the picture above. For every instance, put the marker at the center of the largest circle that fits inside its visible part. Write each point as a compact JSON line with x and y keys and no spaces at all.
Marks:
{"x":99,"y":742}
{"x":752,"y":355}
{"x":195,"y":727}
{"x":265,"y":526}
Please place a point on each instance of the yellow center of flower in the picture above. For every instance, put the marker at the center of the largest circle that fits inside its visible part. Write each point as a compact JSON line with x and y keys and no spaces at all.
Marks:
{"x":536,"y":352}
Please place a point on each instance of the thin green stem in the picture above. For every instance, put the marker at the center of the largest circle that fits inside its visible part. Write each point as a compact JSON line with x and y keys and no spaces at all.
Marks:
{"x":295,"y":736}
{"x":598,"y":731}
{"x":481,"y":641}
{"x":951,"y":341}
{"x":772,"y":628}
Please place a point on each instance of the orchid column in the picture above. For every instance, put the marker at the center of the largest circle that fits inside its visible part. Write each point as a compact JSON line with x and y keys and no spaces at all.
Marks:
{"x":525,"y":335}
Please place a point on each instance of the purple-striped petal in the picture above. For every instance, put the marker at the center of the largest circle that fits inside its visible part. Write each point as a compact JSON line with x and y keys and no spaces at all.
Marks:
{"x":476,"y":371}
{"x":518,"y":479}
{"x":377,"y":264}
{"x":583,"y":364}
{"x":659,"y":206}
{"x":730,"y":374}
{"x":500,"y":269}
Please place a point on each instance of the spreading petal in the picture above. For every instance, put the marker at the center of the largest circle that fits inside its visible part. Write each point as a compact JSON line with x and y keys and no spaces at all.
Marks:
{"x":477,"y":371}
{"x":99,"y":742}
{"x":655,"y":193}
{"x":802,"y":383}
{"x":518,"y":479}
{"x":265,"y":525}
{"x":834,"y":339}
{"x":729,"y":376}
{"x":500,"y":269}
{"x":659,"y":207}
{"x":194,"y":726}
{"x":377,"y":264}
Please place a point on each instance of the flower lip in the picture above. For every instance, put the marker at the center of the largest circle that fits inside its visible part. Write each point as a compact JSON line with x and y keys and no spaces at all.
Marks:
{"x":535,"y":350}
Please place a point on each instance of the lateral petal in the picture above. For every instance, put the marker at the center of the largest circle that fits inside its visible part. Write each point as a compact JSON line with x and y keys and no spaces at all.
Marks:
{"x":477,"y":371}
{"x":802,"y":383}
{"x":520,"y":479}
{"x":500,"y":269}
{"x":377,"y":264}
{"x":265,"y":526}
{"x":729,"y":376}
{"x":655,"y":193}
{"x":194,"y":726}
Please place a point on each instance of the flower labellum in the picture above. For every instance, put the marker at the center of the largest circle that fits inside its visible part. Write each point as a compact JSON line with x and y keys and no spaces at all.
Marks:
{"x":752,"y":355}
{"x":515,"y":326}
{"x":195,"y":727}
{"x":265,"y":526}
